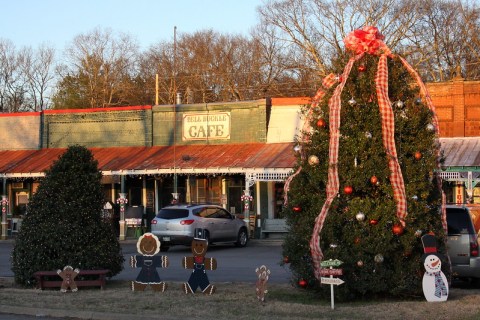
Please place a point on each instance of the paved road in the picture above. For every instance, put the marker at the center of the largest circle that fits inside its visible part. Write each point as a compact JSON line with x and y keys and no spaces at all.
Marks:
{"x":234,"y":264}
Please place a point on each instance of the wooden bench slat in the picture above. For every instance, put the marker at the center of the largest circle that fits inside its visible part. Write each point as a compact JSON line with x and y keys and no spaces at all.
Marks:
{"x":274,"y":225}
{"x":99,"y":282}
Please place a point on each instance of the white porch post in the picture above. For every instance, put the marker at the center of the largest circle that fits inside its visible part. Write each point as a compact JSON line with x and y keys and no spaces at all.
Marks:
{"x":4,"y":203}
{"x":122,"y":200}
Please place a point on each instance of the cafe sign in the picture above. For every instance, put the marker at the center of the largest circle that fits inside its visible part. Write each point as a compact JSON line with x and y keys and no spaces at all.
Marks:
{"x":206,"y":125}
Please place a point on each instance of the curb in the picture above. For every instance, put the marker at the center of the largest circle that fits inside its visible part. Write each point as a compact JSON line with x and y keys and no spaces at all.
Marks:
{"x":76,"y":314}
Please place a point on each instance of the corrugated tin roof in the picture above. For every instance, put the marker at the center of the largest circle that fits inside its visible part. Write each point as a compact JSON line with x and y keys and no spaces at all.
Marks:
{"x":229,"y":157}
{"x":461,"y":152}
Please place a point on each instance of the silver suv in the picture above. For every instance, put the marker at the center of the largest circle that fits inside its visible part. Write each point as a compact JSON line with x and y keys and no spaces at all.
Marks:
{"x":176,"y":224}
{"x":462,"y":244}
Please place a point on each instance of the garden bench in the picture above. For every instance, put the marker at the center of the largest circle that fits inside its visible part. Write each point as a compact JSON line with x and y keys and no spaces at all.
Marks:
{"x":274,"y":226}
{"x":51,"y":279}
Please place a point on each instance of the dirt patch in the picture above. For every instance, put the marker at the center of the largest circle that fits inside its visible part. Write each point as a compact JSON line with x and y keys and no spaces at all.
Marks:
{"x":236,"y":301}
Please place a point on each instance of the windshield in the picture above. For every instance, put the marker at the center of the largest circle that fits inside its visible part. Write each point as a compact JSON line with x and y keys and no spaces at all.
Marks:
{"x":172,"y":213}
{"x":459,"y":221}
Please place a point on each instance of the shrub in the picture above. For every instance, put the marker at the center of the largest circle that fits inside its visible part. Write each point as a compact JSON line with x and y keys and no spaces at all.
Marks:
{"x":63,"y":225}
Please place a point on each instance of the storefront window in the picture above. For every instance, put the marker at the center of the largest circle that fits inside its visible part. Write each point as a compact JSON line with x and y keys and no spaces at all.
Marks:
{"x":236,"y":185}
{"x":476,"y":195}
{"x":278,"y":200}
{"x":206,"y":190}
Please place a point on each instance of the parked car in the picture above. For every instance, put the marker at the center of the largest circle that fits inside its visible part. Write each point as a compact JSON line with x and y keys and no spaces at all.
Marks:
{"x":176,"y":224}
{"x":462,"y":244}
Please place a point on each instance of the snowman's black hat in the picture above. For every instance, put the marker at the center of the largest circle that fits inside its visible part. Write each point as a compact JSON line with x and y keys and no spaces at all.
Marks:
{"x":429,"y":244}
{"x":430,"y":247}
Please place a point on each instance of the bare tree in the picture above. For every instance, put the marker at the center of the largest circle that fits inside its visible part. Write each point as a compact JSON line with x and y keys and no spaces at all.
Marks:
{"x":436,"y":35}
{"x":12,"y":80}
{"x":38,"y":68}
{"x":107,"y":62}
{"x":447,"y":39}
{"x":316,"y":28}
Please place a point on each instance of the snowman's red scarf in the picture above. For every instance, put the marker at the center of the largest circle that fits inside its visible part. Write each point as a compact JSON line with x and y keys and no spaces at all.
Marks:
{"x":388,"y":129}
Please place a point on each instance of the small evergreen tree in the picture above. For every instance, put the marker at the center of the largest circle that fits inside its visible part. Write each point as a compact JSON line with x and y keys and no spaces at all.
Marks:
{"x":63,"y":225}
{"x":362,"y":228}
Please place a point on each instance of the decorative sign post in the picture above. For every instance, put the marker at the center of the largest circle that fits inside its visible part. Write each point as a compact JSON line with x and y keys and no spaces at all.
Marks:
{"x":122,"y":201}
{"x":331,"y":272}
{"x":4,"y":203}
{"x":246,"y":199}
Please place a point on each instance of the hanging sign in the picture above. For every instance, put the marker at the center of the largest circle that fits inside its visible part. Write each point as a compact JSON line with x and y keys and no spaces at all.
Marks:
{"x":331,"y":272}
{"x":331,"y":263}
{"x":333,"y":281}
{"x":206,"y":126}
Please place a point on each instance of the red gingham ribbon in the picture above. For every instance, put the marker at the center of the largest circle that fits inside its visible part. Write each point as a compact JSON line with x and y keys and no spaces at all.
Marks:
{"x":332,"y":183}
{"x":388,"y":135}
{"x":327,"y":83}
{"x":428,"y":100}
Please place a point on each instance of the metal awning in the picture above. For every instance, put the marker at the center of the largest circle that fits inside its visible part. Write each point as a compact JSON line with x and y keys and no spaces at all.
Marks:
{"x":462,"y":161}
{"x":276,"y":159}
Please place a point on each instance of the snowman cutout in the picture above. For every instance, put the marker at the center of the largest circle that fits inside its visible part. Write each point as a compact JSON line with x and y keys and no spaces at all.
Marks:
{"x":435,"y":285}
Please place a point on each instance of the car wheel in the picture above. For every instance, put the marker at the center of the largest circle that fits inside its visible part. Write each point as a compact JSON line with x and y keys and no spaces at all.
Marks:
{"x":242,"y":238}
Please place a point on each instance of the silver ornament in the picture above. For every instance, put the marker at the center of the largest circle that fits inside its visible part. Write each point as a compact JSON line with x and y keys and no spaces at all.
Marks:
{"x":297,"y":148}
{"x":368,"y":135}
{"x":430,"y":127}
{"x":313,"y":160}
{"x":418,"y":233}
{"x":352,"y":102}
{"x":360,"y":216}
{"x":399,"y":104}
{"x":378,"y":258}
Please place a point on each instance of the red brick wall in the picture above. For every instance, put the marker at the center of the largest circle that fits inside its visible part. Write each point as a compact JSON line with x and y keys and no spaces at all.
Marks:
{"x":458,"y":107}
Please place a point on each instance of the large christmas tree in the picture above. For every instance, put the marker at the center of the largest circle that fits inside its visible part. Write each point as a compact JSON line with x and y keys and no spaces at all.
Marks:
{"x":366,"y":187}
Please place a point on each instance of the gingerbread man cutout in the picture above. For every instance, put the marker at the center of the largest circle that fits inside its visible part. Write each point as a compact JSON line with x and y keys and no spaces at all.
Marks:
{"x":148,"y":246}
{"x":199,"y":263}
{"x":261,"y":286}
{"x":68,"y":276}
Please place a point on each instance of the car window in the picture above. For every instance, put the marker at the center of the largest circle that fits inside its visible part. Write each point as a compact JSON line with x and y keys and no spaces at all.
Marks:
{"x":459,"y":221}
{"x":221,"y":214}
{"x":172,"y":213}
{"x":201,"y":212}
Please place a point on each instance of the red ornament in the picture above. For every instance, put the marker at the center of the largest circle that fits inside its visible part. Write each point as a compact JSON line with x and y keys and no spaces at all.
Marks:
{"x":297,"y":209}
{"x":362,"y":68}
{"x":357,"y":240}
{"x":286,"y":259}
{"x":373,"y":180}
{"x":321,"y":123}
{"x":302,"y":283}
{"x":397,"y":229}
{"x":418,"y":155}
{"x":348,"y":190}
{"x":373,"y":222}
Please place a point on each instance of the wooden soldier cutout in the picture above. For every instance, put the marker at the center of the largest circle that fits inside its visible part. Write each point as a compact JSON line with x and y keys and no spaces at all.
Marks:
{"x":435,"y":285}
{"x":199,"y":263}
{"x":263,"y":274}
{"x":68,"y":276}
{"x":148,"y":246}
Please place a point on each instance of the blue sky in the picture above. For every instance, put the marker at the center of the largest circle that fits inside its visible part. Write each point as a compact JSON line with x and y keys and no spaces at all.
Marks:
{"x":57,"y":22}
